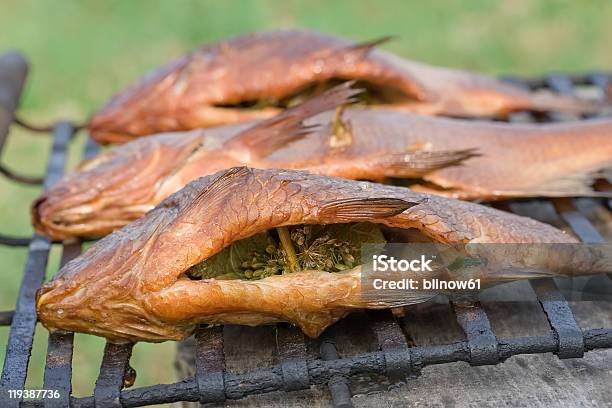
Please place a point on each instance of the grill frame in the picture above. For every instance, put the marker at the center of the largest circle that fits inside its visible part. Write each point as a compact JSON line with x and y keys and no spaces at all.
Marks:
{"x":394,"y":358}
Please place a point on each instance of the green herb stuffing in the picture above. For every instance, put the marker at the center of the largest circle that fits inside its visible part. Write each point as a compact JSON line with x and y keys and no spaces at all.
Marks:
{"x":331,"y":248}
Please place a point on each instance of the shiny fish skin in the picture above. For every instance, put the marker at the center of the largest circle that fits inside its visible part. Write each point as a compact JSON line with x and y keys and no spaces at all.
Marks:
{"x":515,"y":160}
{"x":198,"y":89}
{"x":130,"y":286}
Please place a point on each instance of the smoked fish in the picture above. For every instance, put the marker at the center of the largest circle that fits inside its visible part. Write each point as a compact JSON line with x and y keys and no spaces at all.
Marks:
{"x":137,"y":284}
{"x":463,"y":159}
{"x":254,"y":76}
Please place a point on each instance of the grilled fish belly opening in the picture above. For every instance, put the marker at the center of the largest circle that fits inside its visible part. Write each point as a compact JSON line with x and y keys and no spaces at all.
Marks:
{"x":372,"y":94}
{"x":328,"y":248}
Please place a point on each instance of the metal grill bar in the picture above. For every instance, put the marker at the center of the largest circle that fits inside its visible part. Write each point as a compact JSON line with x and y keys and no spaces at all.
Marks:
{"x":23,"y":324}
{"x":395,"y":359}
{"x":560,"y":84}
{"x":581,"y":226}
{"x":19,"y":346}
{"x":291,"y":346}
{"x":14,"y":241}
{"x":577,"y":221}
{"x":320,"y":372}
{"x":112,"y":374}
{"x":337,"y":383}
{"x":58,"y":367}
{"x":13,"y":73}
{"x":91,"y":149}
{"x":481,"y":340}
{"x":210,"y":365}
{"x":19,"y":178}
{"x":560,"y":317}
{"x":600,"y":80}
{"x":6,"y":317}
{"x":392,"y":342}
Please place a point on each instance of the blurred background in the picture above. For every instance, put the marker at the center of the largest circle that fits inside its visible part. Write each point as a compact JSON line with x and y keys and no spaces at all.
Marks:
{"x":81,"y":52}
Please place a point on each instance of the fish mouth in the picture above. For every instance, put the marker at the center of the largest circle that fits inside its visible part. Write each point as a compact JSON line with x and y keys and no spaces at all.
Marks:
{"x":85,"y":220}
{"x":61,"y":305}
{"x":51,"y":305}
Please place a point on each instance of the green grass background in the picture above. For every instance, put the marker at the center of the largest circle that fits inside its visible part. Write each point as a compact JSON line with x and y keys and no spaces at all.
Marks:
{"x":81,"y":52}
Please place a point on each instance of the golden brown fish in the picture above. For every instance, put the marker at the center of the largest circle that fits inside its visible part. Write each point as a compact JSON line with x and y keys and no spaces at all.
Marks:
{"x":138,"y":283}
{"x":253,"y":76}
{"x":514,"y":160}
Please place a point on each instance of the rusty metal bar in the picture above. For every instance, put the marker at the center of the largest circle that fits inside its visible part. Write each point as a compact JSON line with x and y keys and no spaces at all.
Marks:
{"x":23,"y":325}
{"x":58,"y":367}
{"x":568,"y":335}
{"x":577,"y":221}
{"x":113,"y":370}
{"x":6,"y":317}
{"x":13,"y":73}
{"x":210,"y":364}
{"x":291,"y":346}
{"x":320,"y":371}
{"x":392,"y":342}
{"x":338,"y":384}
{"x":481,"y":340}
{"x":600,"y":80}
{"x":14,"y":241}
{"x":20,"y":178}
{"x":91,"y":149}
{"x":580,"y":224}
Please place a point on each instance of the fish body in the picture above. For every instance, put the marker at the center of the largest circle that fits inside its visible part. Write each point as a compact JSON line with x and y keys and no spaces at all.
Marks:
{"x":132,"y":285}
{"x":254,"y":76}
{"x":452,"y":157}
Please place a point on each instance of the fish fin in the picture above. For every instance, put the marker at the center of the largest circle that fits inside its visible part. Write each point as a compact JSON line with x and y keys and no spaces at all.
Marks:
{"x":418,"y":163}
{"x":265,"y":137}
{"x":386,"y":299}
{"x":365,"y":47}
{"x":364,"y":209}
{"x":219,"y":185}
{"x":515,"y":274}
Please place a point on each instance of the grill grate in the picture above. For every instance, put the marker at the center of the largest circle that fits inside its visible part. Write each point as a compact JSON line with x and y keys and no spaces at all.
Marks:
{"x":394,"y":357}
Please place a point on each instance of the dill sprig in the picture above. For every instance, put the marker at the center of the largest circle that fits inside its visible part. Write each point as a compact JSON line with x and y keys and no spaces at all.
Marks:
{"x":331,"y":248}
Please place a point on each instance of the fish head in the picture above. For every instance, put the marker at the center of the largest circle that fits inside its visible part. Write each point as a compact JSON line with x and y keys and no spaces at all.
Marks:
{"x":180,"y":96}
{"x":102,"y":292}
{"x":109,"y":191}
{"x":141,"y":109}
